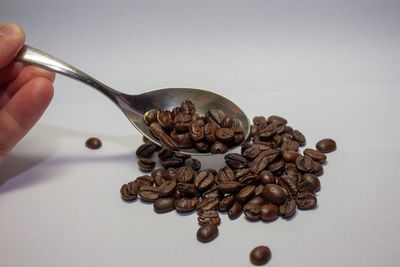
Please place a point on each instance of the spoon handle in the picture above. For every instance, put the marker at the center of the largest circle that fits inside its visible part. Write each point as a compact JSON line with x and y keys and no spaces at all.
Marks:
{"x":36,"y":57}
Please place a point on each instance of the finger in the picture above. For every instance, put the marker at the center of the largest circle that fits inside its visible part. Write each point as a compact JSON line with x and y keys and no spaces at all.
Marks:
{"x":12,"y":38}
{"x":22,"y":112}
{"x":28,"y":73}
{"x":8,"y":73}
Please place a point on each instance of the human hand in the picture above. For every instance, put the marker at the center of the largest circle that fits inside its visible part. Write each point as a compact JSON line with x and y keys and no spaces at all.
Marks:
{"x":25,"y":90}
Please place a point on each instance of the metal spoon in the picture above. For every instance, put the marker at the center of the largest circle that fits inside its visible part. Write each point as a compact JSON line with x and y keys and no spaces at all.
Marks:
{"x":134,"y":106}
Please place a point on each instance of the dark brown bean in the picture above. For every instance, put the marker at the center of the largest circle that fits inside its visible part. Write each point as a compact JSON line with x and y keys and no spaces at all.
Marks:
{"x":306,"y":200}
{"x":269,"y":212}
{"x":186,"y":205}
{"x":226,"y":203}
{"x":197,"y":130}
{"x":195,"y":164}
{"x":288,"y":209}
{"x":207,"y":232}
{"x":209,"y":216}
{"x":235,"y":161}
{"x":208,"y":204}
{"x":228,"y":187}
{"x":185,"y":174}
{"x":172,"y":163}
{"x":274,"y":194}
{"x":146,"y":165}
{"x":252,"y":211}
{"x":218,"y":148}
{"x":266,"y":177}
{"x":203,"y":180}
{"x":188,"y":107}
{"x":150,"y":116}
{"x":186,"y":189}
{"x":129,"y":191}
{"x":224,"y":134}
{"x":245,"y":193}
{"x":164,"y":204}
{"x":315,"y":155}
{"x":93,"y":143}
{"x":224,"y":175}
{"x":165,"y":154}
{"x":260,"y":255}
{"x":164,"y":118}
{"x":235,"y":211}
{"x":304,"y":163}
{"x":326,"y":145}
{"x":167,"y":188}
{"x":215,"y":115}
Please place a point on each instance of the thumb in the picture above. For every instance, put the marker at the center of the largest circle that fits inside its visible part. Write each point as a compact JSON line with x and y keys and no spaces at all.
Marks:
{"x":12,"y":38}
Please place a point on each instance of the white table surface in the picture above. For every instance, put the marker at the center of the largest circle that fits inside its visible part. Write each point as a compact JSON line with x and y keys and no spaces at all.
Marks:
{"x":330,"y":67}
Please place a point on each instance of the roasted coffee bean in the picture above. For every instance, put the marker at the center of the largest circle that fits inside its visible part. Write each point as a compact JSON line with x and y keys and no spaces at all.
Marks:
{"x":146,"y":165}
{"x":156,"y":130}
{"x":326,"y":145}
{"x":266,"y":177}
{"x":224,"y":134}
{"x":258,"y":120}
{"x":304,"y":163}
{"x":253,"y":131}
{"x":246,"y":193}
{"x":209,"y":132}
{"x":264,"y":147}
{"x":170,"y":174}
{"x":215,"y":115}
{"x":228,"y":187}
{"x":318,"y":170}
{"x":290,"y":146}
{"x":309,"y":182}
{"x":269,"y":212}
{"x":167,"y":188}
{"x":195,"y":164}
{"x":209,"y":216}
{"x":185,"y":174}
{"x":129,"y":191}
{"x":260,"y":255}
{"x":266,"y":133}
{"x":207,"y":204}
{"x":182,"y":139}
{"x":202,"y":147}
{"x":196,"y":130}
{"x":224,"y":175}
{"x":276,"y":119}
{"x":252,"y":211}
{"x":235,"y":211}
{"x":290,"y":156}
{"x":275,"y":194}
{"x":203,"y":180}
{"x":164,"y":118}
{"x":188,"y":107}
{"x":289,"y":183}
{"x":159,"y":180}
{"x":241,"y":172}
{"x":158,"y":173}
{"x":207,"y":233}
{"x":165,"y":154}
{"x":235,"y":161}
{"x":315,"y":155}
{"x":150,"y":116}
{"x":93,"y":143}
{"x":285,"y":136}
{"x":186,"y":189}
{"x":230,"y":122}
{"x":164,"y":204}
{"x":181,"y":155}
{"x":172,"y":163}
{"x":259,"y":163}
{"x":288,"y":209}
{"x":185,"y":205}
{"x":251,"y":152}
{"x":259,"y":189}
{"x":182,"y":122}
{"x":226,"y":203}
{"x":306,"y":200}
{"x":213,"y":171}
{"x":249,"y":179}
{"x":257,"y":200}
{"x":218,"y":148}
{"x":175,"y":111}
{"x":148,"y":193}
{"x":277,"y":167}
{"x":299,"y":137}
{"x":212,"y":192}
{"x":144,"y":180}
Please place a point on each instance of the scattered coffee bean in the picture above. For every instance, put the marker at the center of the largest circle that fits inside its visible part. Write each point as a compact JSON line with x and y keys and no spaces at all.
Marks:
{"x":260,"y":255}
{"x":93,"y":143}
{"x":269,"y":212}
{"x":129,"y":192}
{"x":164,"y":204}
{"x":306,"y":200}
{"x":326,"y":145}
{"x":146,"y":165}
{"x":207,"y":232}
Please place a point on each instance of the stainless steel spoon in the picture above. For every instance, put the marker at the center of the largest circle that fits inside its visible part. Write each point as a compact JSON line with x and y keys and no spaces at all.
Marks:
{"x":134,"y":106}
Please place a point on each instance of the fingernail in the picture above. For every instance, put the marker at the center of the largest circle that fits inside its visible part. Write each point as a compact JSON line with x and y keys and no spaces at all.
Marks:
{"x":8,"y":29}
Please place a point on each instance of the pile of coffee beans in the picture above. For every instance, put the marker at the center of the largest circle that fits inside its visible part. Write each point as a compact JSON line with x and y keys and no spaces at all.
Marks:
{"x":267,"y":179}
{"x":183,"y":127}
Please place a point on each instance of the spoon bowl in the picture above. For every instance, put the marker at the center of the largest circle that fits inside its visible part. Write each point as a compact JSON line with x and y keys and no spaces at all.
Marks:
{"x":135,"y":106}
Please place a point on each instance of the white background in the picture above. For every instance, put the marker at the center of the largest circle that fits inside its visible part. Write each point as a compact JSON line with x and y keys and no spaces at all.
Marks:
{"x":330,"y":67}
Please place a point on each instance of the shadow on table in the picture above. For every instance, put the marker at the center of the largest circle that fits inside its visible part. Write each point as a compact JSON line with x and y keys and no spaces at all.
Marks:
{"x":37,"y":149}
